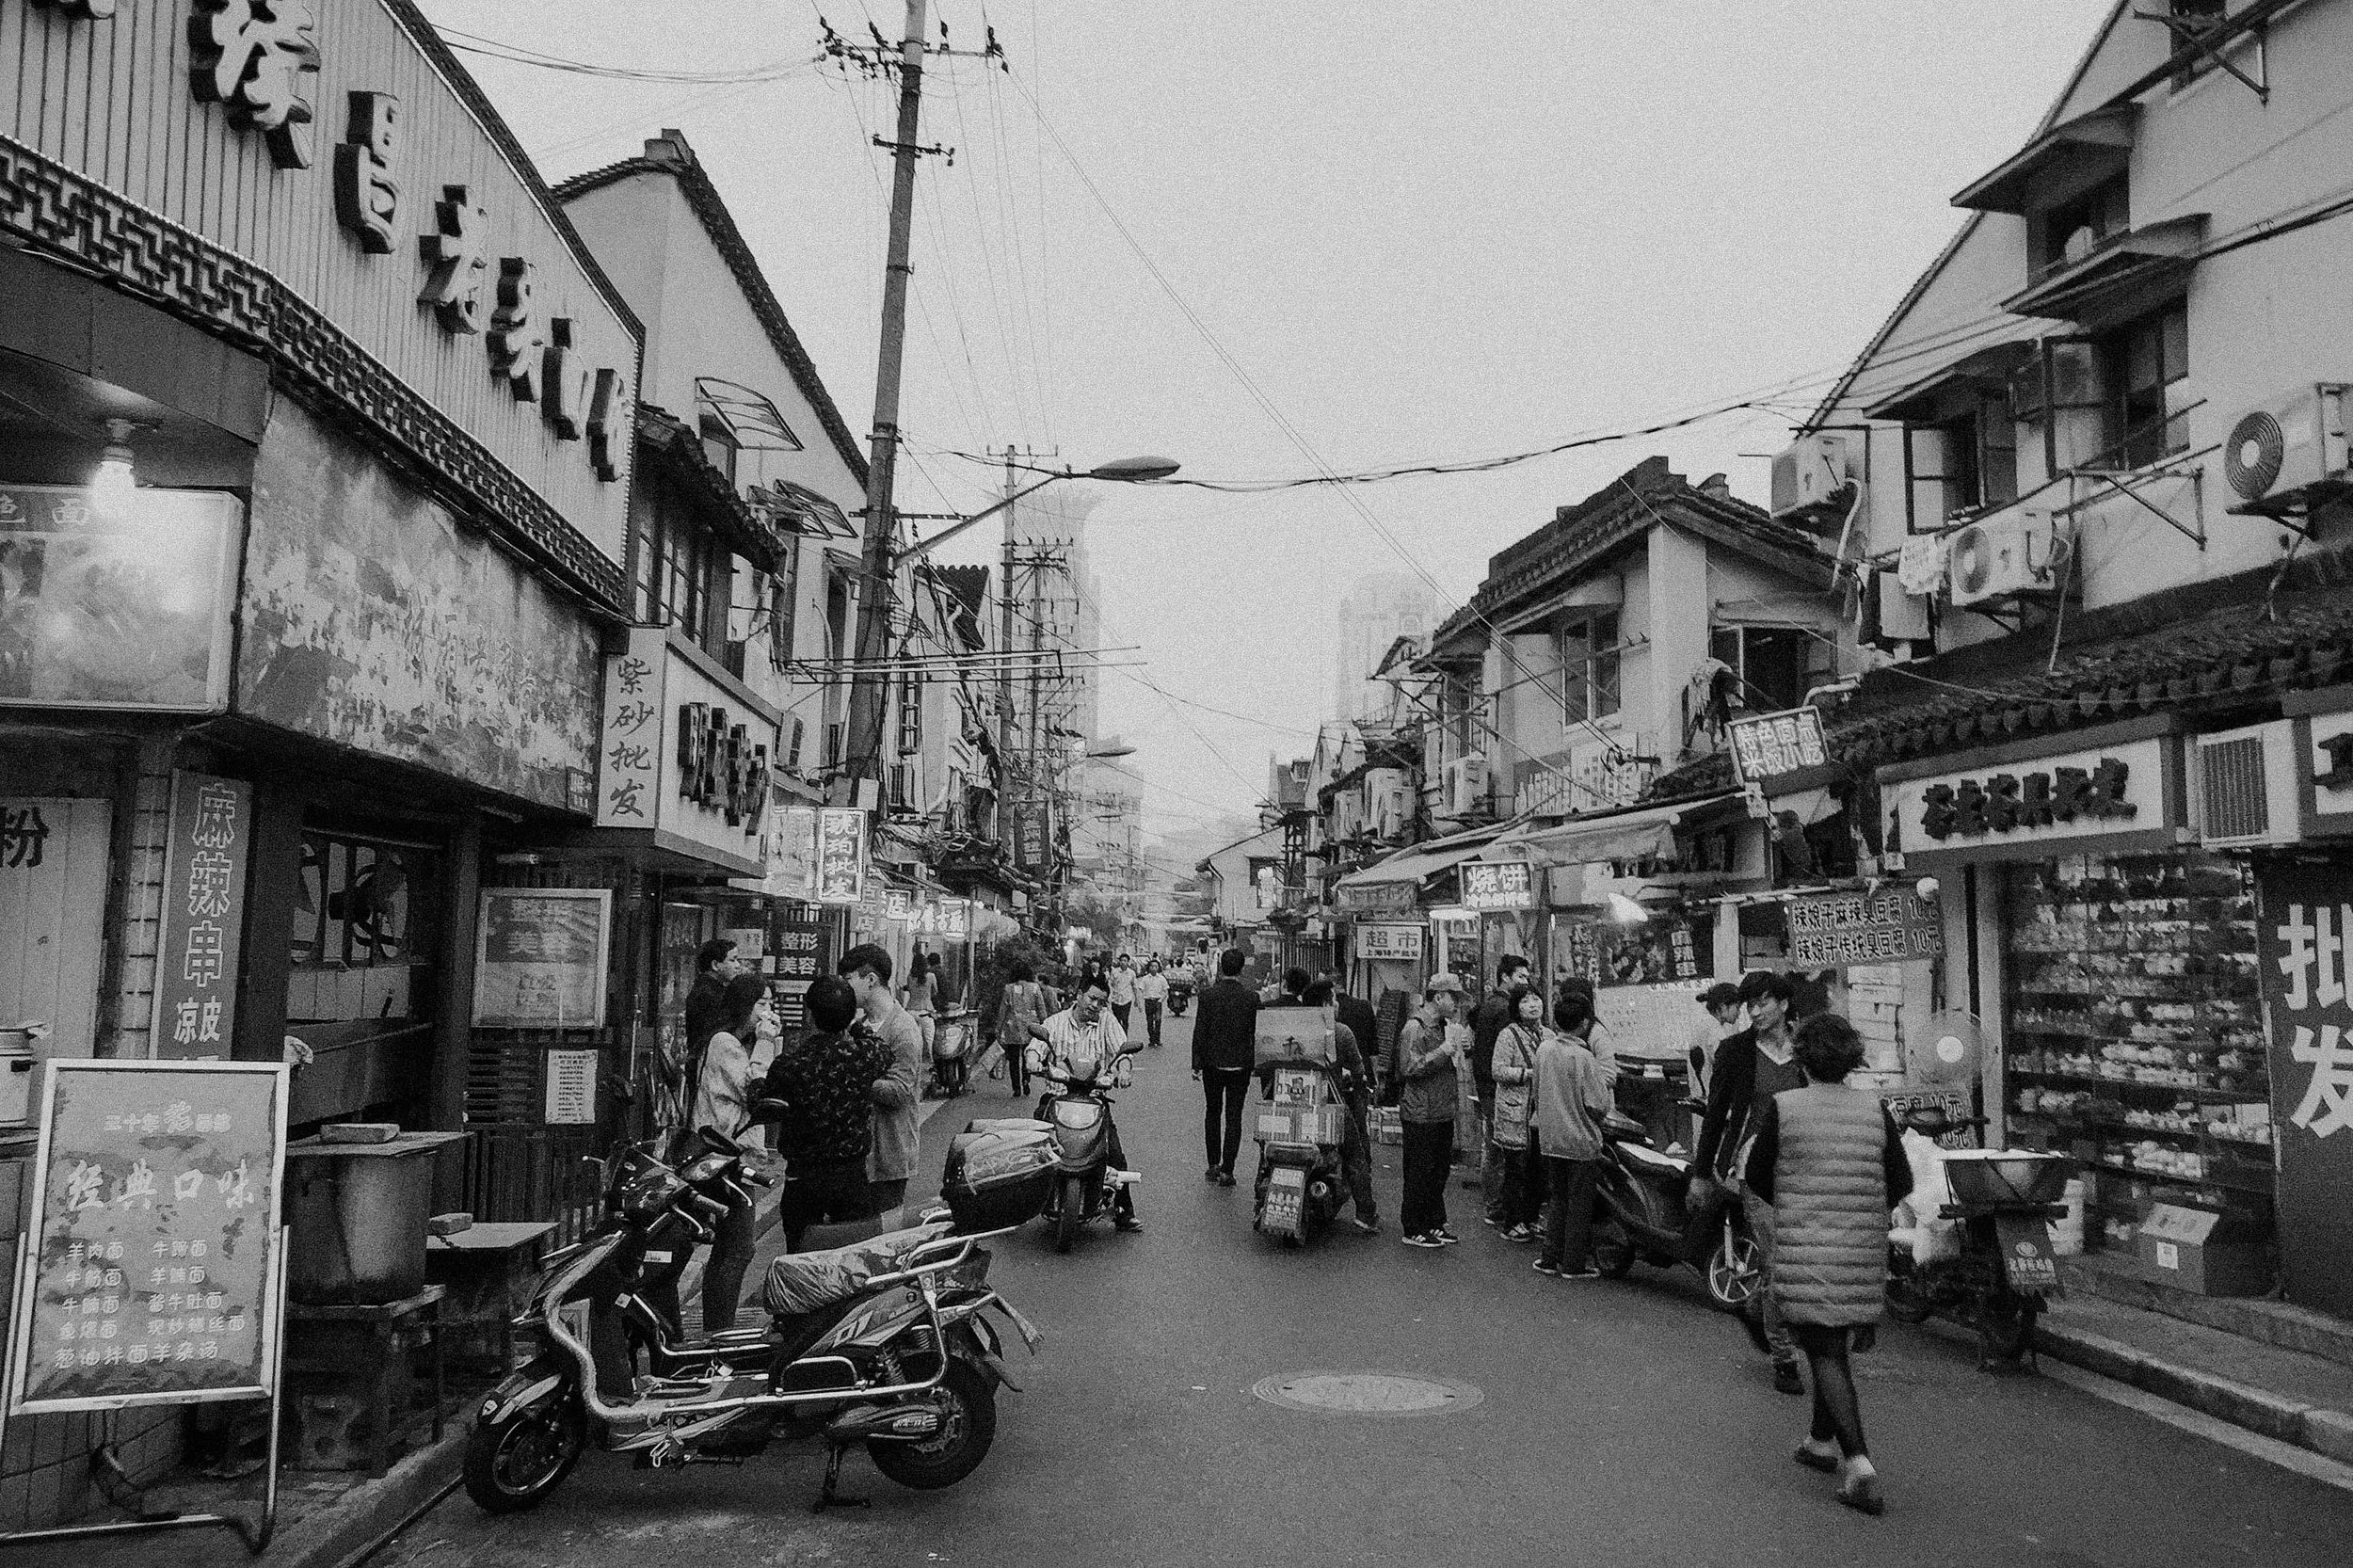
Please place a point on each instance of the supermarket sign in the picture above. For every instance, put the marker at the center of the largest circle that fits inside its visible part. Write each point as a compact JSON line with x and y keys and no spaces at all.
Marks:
{"x":1392,"y":944}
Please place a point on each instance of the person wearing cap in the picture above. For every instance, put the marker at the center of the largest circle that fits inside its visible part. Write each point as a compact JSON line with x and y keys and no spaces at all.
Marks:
{"x":1720,"y":1018}
{"x":1423,"y":1062}
{"x":1751,"y":1068}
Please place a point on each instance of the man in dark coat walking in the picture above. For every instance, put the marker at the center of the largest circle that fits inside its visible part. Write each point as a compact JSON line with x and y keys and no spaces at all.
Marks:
{"x":1225,"y":1046}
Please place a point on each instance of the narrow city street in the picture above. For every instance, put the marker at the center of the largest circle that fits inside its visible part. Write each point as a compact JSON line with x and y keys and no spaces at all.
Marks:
{"x":1613,"y":1423}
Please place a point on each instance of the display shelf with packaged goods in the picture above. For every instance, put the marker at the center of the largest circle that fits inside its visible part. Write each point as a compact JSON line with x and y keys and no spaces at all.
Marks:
{"x":2135,"y":1033}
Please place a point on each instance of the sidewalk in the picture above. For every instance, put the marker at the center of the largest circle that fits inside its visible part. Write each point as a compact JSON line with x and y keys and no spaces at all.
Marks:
{"x":2273,"y":1369}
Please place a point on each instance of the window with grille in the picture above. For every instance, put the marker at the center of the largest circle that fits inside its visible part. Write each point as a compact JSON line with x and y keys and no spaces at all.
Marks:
{"x":910,"y":716}
{"x":674,"y":564}
{"x":901,"y":787}
{"x":2146,"y":368}
{"x":1590,"y":657}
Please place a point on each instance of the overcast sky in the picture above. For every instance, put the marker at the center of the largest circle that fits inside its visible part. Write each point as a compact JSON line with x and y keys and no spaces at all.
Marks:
{"x":1425,"y":233}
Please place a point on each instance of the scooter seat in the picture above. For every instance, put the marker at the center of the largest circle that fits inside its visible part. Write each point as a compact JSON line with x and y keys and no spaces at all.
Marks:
{"x":805,"y":1282}
{"x":1649,"y":1162}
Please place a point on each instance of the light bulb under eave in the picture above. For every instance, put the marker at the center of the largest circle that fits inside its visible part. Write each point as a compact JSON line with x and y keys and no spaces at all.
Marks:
{"x":1624,"y":911}
{"x":114,"y":483}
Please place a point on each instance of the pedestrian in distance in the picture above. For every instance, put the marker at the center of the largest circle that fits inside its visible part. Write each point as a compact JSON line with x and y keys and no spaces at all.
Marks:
{"x":715,"y":964}
{"x":897,"y":1093}
{"x":1424,"y":1063}
{"x":1573,"y":1095}
{"x":1512,"y":1127}
{"x":1355,"y":1096}
{"x":1152,"y":990}
{"x":1225,"y":1048}
{"x":723,"y":1103}
{"x":1022,"y":1008}
{"x":921,"y":996}
{"x":1487,"y":1022}
{"x":1751,"y":1068}
{"x":1719,"y":1020}
{"x":826,"y":1081}
{"x":1122,"y":980}
{"x":1828,"y":1160}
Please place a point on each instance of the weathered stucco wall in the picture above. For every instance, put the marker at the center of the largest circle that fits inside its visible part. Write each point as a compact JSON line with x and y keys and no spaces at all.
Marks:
{"x":369,"y":618}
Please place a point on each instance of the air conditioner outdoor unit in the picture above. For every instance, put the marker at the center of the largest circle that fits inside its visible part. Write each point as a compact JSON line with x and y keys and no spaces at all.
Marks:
{"x":2243,"y":784}
{"x":1809,"y":470}
{"x":2292,"y":443}
{"x":1466,"y":786}
{"x":2013,"y":552}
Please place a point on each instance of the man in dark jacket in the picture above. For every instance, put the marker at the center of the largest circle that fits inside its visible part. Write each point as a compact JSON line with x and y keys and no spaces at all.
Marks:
{"x":1751,"y":1068}
{"x":1486,"y":1025}
{"x":1224,"y":1036}
{"x":1363,"y":1023}
{"x":715,"y":964}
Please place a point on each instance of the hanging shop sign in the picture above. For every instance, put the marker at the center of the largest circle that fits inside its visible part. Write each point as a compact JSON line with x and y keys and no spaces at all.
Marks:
{"x":2014,"y":806}
{"x":1489,"y":885}
{"x":2304,"y":948}
{"x":571,"y":1095}
{"x":898,"y":904}
{"x":1376,"y":898}
{"x":154,"y":1270}
{"x":2321,"y":725}
{"x":1768,"y":746}
{"x":841,"y":855}
{"x":1389,"y":944}
{"x":796,"y":958}
{"x":1892,"y":925}
{"x":955,"y":919}
{"x":1033,"y":835}
{"x":366,"y":177}
{"x":1664,"y":948}
{"x":684,"y":752}
{"x":540,"y":957}
{"x":117,"y":601}
{"x":201,"y":926}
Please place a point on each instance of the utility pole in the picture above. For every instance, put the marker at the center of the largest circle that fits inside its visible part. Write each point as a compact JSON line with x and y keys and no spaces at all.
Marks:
{"x":867,"y":691}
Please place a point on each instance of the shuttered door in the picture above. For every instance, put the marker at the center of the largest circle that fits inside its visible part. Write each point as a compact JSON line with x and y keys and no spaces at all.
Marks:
{"x":53,"y":909}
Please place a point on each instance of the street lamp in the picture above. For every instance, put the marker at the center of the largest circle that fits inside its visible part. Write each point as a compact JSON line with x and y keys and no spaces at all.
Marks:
{"x":1122,"y":471}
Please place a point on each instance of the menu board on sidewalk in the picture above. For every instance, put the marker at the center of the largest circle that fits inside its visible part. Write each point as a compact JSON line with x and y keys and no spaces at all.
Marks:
{"x":151,"y":1272}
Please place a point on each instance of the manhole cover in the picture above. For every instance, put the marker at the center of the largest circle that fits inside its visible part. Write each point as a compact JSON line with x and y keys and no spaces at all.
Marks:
{"x":1366,"y":1393}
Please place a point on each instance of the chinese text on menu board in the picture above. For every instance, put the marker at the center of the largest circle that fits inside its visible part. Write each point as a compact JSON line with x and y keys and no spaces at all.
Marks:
{"x":152,"y":1275}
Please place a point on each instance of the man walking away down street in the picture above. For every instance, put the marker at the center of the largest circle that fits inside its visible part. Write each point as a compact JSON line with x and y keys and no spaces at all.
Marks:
{"x":1751,"y":1068}
{"x":1122,"y":980}
{"x":1225,"y":1044}
{"x":1830,"y":1161}
{"x":1573,"y":1095}
{"x":1423,"y":1064}
{"x":897,"y":1092}
{"x":1356,"y":1090}
{"x":1152,"y":990}
{"x":828,"y":1080}
{"x":1021,"y":1010}
{"x":723,"y":1103}
{"x":1487,"y":1023}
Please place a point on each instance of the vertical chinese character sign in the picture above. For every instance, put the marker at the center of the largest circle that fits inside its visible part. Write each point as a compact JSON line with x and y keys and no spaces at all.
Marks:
{"x":841,"y":855}
{"x":2304,"y":946}
{"x":198,"y":937}
{"x":628,"y":756}
{"x":153,"y":1268}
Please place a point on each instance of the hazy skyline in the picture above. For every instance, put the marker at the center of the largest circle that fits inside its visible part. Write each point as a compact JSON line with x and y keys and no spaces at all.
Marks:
{"x":1427,"y":233}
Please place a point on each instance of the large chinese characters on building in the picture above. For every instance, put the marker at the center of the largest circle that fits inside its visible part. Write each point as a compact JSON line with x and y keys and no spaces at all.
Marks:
{"x":152,"y":1272}
{"x":197,"y":938}
{"x":2305,"y":964}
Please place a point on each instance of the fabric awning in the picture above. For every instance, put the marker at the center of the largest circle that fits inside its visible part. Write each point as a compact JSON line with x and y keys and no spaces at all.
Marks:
{"x":1410,"y":866}
{"x":1645,"y":834}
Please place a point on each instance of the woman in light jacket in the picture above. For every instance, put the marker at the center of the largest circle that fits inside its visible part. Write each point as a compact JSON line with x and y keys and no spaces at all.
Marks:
{"x":1515,"y":1066}
{"x":1829,"y":1159}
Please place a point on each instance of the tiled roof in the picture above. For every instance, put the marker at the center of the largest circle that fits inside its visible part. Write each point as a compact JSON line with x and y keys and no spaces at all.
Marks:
{"x":2217,"y":652}
{"x":679,"y":452}
{"x":704,"y":198}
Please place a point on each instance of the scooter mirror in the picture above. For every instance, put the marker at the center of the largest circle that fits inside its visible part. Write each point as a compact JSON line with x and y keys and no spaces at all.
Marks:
{"x":768,"y":1112}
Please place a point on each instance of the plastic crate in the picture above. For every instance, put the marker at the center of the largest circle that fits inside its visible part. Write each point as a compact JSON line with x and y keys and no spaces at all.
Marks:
{"x":2007,"y":1177}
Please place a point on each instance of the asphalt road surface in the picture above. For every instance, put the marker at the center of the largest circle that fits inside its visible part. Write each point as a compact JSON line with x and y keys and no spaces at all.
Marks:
{"x":1605,"y":1423}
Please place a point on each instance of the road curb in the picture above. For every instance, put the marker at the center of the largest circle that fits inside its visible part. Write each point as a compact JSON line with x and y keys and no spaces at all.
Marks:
{"x":2317,"y":1428}
{"x":356,"y":1524}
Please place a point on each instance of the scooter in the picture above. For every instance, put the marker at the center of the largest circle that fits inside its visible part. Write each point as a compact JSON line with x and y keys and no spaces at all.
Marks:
{"x":1085,"y":1185}
{"x":1180,"y":996}
{"x":1644,"y":1213}
{"x":951,"y":1058}
{"x":1300,"y":1187}
{"x":2005,"y":1269}
{"x":883,"y":1343}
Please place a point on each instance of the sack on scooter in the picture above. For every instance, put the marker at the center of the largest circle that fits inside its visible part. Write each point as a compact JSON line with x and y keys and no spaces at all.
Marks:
{"x":1918,"y":1220}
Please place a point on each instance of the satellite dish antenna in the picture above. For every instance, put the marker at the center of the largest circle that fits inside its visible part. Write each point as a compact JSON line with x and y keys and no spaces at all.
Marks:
{"x":1945,"y":1051}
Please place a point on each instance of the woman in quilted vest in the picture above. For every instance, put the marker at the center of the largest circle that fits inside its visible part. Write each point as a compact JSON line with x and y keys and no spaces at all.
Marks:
{"x":1829,"y":1159}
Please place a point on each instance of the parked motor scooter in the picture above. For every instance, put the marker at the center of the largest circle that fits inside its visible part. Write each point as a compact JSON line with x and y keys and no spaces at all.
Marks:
{"x":1086,"y":1186}
{"x":1300,"y":1187}
{"x":883,"y":1343}
{"x":952,"y":1057}
{"x":1644,"y":1213}
{"x":2003,"y":1269}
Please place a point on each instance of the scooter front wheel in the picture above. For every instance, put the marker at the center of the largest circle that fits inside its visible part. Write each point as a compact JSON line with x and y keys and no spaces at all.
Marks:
{"x":1074,"y":1210}
{"x":1731,"y":1270}
{"x":967,"y":1406}
{"x":2007,"y":1328}
{"x":512,"y":1464}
